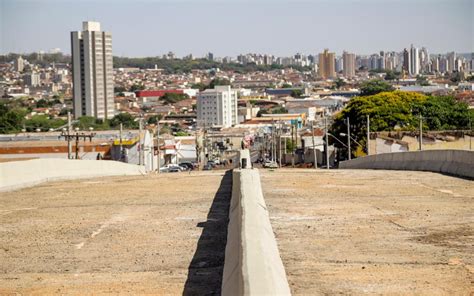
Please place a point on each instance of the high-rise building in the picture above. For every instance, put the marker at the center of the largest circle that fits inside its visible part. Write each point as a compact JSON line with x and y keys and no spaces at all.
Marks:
{"x":414,"y":61}
{"x":327,"y":67}
{"x":348,"y":60}
{"x":406,"y":61}
{"x":32,"y":79}
{"x":19,"y":64}
{"x":451,"y":61}
{"x":92,"y":72}
{"x":217,"y":107}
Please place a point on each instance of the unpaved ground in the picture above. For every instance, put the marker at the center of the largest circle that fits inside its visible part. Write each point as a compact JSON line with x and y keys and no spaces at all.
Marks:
{"x":376,"y":232}
{"x":127,"y":235}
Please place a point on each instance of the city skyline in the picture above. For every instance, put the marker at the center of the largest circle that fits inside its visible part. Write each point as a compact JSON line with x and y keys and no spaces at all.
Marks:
{"x":264,"y":28}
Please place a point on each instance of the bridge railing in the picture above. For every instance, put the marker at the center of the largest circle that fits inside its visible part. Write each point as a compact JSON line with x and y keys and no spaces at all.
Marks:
{"x":453,"y":162}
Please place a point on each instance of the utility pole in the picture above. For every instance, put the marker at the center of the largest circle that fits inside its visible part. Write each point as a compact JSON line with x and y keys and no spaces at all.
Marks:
{"x":349,"y":153}
{"x":327,"y":141}
{"x":69,"y":129}
{"x":314,"y":146}
{"x":421,"y":133}
{"x":470,"y":134}
{"x":279,"y":144}
{"x":292,"y":147}
{"x":158,"y":145}
{"x":140,"y":144}
{"x":273,"y":142}
{"x":120,"y":139}
{"x":77,"y":136}
{"x":368,"y":135}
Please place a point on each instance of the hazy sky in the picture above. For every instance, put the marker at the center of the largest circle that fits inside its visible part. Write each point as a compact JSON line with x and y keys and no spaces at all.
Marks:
{"x":280,"y":27}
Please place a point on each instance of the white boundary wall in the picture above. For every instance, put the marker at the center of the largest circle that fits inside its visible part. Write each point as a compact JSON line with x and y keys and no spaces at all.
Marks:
{"x":252,"y":261}
{"x":19,"y":174}
{"x":453,"y":162}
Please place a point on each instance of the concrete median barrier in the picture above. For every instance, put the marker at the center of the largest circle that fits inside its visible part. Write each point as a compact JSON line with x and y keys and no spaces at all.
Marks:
{"x":453,"y":162}
{"x":252,"y":261}
{"x":20,"y":174}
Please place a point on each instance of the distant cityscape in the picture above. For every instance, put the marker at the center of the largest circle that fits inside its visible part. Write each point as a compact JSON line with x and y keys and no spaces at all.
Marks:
{"x":93,"y":90}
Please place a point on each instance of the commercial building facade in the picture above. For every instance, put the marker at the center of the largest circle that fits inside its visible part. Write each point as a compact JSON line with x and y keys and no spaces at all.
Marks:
{"x":92,"y":69}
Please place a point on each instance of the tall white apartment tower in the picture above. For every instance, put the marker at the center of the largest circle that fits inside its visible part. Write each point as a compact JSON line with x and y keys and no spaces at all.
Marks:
{"x":348,"y":60}
{"x":414,"y":61}
{"x":92,"y":72}
{"x":217,"y":107}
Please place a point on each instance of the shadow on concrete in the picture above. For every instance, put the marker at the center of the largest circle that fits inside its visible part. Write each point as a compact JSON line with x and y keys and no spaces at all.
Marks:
{"x":207,"y":266}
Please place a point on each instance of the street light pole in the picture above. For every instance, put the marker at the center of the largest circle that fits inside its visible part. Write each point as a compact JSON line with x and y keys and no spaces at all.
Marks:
{"x":314,"y":147}
{"x":421,"y":133}
{"x":349,"y":153}
{"x":69,"y":144}
{"x":158,"y":145}
{"x":327,"y":141}
{"x":368,"y":135}
{"x":140,"y":145}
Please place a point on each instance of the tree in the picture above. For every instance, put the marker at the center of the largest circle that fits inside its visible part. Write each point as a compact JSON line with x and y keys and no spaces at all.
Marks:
{"x":421,"y":80}
{"x":200,"y":86}
{"x":126,"y":119}
{"x":391,"y":75}
{"x":388,"y":110}
{"x":338,"y":83}
{"x":171,"y":98}
{"x":43,"y":122}
{"x":456,"y":77}
{"x":286,"y":85}
{"x":279,"y":110}
{"x":375,"y":86}
{"x":290,"y":145}
{"x":296,"y":93}
{"x":218,"y":81}
{"x":154,"y":119}
{"x":42,"y":103}
{"x":86,"y":122}
{"x":181,"y":134}
{"x":136,"y":87}
{"x":11,"y":120}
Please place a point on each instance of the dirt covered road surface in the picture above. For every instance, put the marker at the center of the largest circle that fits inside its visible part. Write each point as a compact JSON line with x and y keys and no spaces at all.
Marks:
{"x":373,"y":232}
{"x":117,"y":235}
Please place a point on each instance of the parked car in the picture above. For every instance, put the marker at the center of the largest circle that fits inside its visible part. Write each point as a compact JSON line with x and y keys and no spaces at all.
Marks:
{"x":174,"y":170}
{"x":187,"y":166}
{"x":270,"y":165}
{"x":211,"y":163}
{"x":207,"y":167}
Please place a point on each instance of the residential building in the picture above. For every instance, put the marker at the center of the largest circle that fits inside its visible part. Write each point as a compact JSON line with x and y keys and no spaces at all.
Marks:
{"x":19,"y":64}
{"x":348,"y":60}
{"x":451,"y":60}
{"x":414,"y":61}
{"x":217,"y":107}
{"x":92,"y":69}
{"x":406,"y":61}
{"x":327,"y":68}
{"x":32,"y":79}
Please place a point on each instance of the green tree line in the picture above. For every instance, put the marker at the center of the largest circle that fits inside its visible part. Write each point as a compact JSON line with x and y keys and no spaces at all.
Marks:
{"x":399,"y":110}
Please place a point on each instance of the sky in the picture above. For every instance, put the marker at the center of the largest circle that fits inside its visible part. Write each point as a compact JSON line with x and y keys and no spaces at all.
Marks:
{"x":229,"y":27}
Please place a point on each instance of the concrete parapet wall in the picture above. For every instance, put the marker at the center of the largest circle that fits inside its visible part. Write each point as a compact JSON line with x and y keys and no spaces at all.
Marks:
{"x":454,"y":162}
{"x":252,"y":261}
{"x":19,"y":174}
